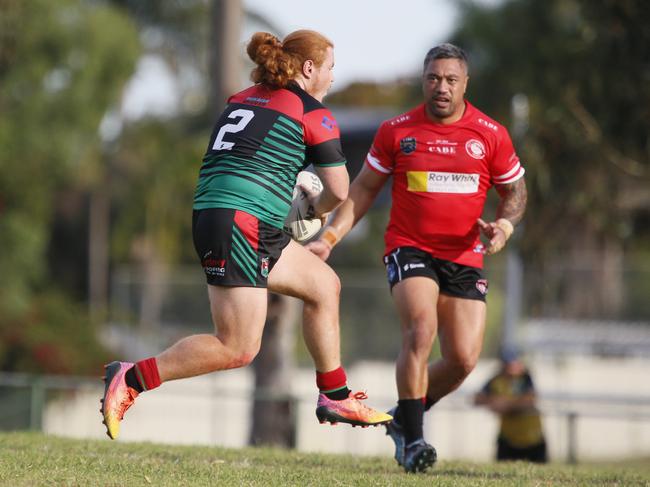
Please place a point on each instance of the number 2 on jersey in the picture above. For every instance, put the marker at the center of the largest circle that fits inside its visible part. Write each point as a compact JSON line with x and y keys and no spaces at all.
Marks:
{"x":246,"y":117}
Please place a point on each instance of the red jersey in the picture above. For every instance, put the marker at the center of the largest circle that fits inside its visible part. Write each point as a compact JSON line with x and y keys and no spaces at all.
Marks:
{"x":441,"y":176}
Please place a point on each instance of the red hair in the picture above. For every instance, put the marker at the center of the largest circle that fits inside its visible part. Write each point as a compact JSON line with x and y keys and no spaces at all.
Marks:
{"x":279,"y":62}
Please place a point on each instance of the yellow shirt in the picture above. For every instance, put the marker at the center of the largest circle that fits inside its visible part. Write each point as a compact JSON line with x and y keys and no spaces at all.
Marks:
{"x":520,"y":429}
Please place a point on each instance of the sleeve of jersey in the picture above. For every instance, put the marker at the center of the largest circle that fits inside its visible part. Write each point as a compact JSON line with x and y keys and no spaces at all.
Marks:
{"x":380,"y":157}
{"x":505,"y":166}
{"x":323,"y":139}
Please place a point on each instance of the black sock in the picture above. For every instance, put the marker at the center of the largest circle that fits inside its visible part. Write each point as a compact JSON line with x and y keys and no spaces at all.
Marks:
{"x":339,"y":394}
{"x":411,"y":412}
{"x":428,"y":402}
{"x":132,"y":380}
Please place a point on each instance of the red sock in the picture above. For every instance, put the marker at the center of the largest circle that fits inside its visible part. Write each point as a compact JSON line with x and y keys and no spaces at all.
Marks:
{"x":332,"y":380}
{"x":146,"y":372}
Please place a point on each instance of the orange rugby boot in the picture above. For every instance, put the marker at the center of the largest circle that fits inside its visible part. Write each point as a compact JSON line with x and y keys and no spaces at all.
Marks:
{"x":350,"y":410}
{"x":118,"y":397}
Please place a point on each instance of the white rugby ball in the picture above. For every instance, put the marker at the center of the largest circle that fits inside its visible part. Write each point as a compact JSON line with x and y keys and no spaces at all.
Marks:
{"x":298,"y":222}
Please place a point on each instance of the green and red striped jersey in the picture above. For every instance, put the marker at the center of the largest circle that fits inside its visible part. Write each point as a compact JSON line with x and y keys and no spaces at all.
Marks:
{"x":263,"y":138}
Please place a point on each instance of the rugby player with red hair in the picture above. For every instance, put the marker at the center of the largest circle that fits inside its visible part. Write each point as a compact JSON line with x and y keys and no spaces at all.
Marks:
{"x":264,"y":137}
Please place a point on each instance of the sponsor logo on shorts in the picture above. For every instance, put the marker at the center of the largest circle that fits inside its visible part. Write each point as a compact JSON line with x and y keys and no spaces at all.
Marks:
{"x":413,"y":266}
{"x":482,"y":286}
{"x":264,"y":267}
{"x":212,"y":266}
{"x":407,"y":145}
{"x":391,"y":271}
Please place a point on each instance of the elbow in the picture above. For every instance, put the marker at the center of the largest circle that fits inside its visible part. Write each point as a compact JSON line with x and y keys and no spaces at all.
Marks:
{"x":340,"y":195}
{"x":341,"y":190}
{"x":336,"y":195}
{"x":336,"y":187}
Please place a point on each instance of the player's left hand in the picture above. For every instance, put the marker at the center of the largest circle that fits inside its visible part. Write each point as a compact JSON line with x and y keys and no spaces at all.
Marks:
{"x":496,"y":235}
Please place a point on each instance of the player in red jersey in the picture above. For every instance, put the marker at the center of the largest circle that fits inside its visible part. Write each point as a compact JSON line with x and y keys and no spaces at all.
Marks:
{"x":264,"y":137}
{"x":443,"y":156}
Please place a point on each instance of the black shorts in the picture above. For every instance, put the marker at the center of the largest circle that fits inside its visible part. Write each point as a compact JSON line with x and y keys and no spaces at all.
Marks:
{"x":235,"y":248}
{"x":534,"y":453}
{"x":455,"y":280}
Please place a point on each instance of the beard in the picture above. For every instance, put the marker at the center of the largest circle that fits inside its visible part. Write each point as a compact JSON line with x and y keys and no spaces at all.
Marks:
{"x":440,"y":111}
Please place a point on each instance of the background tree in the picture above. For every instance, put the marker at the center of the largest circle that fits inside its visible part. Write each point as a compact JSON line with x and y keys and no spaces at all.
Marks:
{"x":62,"y":64}
{"x":584,"y":68}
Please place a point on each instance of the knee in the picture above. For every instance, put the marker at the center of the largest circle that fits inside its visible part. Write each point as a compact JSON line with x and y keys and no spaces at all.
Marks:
{"x":336,"y":284}
{"x":419,"y":338}
{"x":242,"y":360}
{"x":242,"y":356}
{"x":327,"y":289}
{"x":462,"y":365}
{"x":332,"y":283}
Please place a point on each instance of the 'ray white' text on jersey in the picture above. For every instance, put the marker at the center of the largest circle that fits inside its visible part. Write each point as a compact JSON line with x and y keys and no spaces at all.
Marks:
{"x":441,"y":176}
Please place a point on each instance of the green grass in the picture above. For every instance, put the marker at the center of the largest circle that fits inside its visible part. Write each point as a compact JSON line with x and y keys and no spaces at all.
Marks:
{"x":32,"y":459}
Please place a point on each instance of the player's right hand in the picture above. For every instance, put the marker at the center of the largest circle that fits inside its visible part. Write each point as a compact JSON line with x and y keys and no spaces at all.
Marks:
{"x":320,"y":248}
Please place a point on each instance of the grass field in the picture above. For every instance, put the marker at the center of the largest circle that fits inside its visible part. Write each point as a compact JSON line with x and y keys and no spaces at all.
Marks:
{"x":31,"y":459}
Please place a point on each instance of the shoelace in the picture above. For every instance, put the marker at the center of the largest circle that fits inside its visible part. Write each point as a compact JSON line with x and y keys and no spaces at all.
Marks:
{"x":360,"y":395}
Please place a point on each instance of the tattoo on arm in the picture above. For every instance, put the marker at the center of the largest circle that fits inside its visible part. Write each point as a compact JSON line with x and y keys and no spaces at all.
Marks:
{"x":513,"y":201}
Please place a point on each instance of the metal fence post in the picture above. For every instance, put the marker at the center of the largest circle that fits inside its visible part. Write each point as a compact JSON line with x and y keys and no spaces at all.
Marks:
{"x":572,"y":440}
{"x":36,"y":404}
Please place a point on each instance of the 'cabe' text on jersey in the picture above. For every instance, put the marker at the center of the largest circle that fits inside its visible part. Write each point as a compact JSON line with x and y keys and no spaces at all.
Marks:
{"x":259,"y":144}
{"x":441,"y":175}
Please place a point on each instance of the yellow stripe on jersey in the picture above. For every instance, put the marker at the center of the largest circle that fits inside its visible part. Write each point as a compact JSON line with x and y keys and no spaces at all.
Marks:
{"x":417,"y":180}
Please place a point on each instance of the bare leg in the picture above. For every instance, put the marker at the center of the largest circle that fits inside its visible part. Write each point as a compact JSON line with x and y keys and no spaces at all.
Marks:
{"x":461,"y":330}
{"x":238,"y":314}
{"x":301,"y":274}
{"x":415,"y":299}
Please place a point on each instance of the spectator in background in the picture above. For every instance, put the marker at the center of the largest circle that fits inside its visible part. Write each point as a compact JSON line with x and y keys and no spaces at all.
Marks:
{"x":511,"y":395}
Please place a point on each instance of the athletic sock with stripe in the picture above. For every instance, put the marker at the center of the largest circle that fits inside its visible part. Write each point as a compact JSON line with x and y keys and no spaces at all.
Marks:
{"x":333,"y":384}
{"x":143,"y":376}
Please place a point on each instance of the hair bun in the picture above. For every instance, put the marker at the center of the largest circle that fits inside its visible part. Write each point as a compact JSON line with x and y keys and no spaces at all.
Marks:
{"x":279,"y":62}
{"x":262,"y":46}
